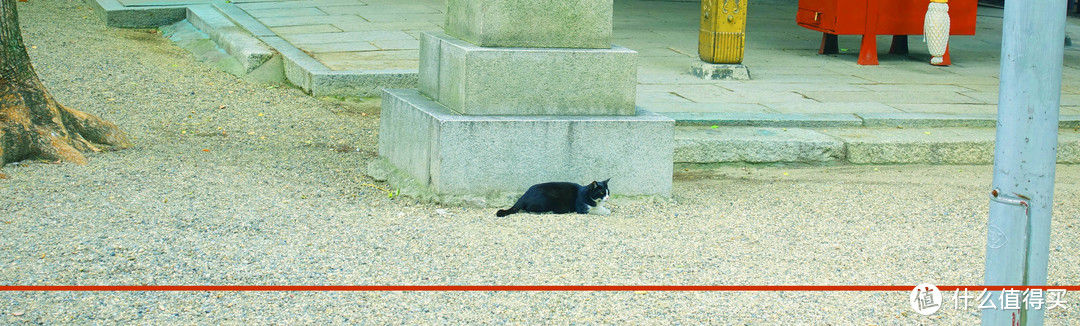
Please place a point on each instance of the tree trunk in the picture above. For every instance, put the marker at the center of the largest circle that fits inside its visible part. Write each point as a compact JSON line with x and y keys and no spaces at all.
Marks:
{"x":32,"y":124}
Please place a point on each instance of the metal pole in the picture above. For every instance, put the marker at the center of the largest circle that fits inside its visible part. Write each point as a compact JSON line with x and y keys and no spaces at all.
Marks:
{"x":1018,"y":240}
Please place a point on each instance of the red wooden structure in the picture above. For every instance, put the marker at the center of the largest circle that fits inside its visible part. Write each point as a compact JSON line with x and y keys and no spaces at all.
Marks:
{"x":899,"y":18}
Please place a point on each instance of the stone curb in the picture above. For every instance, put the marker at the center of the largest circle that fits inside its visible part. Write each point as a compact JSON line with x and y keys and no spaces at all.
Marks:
{"x":117,"y":15}
{"x":704,"y":145}
{"x":839,"y":120}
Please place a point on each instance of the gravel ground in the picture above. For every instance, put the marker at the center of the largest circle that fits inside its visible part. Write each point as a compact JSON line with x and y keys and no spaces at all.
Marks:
{"x":233,"y":183}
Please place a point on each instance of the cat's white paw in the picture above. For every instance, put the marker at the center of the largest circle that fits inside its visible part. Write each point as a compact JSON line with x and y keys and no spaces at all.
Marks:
{"x":600,"y":210}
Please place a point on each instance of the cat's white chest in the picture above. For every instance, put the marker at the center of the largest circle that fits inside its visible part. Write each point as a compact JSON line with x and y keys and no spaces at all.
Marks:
{"x":600,"y":209}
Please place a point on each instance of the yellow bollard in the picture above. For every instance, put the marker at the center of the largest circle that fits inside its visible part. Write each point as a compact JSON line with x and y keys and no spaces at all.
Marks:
{"x":723,"y":31}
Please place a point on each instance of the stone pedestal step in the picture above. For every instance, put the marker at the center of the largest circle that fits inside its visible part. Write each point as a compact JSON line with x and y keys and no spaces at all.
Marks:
{"x":462,"y":155}
{"x":476,"y":80}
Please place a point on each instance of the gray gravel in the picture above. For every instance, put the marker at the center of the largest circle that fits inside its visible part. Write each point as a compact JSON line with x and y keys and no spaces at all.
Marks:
{"x":268,"y":191}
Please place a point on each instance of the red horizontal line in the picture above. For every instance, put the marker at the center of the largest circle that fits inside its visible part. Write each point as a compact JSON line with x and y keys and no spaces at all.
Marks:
{"x":489,"y":288}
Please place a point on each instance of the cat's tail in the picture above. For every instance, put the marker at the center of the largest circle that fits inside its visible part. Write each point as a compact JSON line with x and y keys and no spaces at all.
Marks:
{"x":512,"y":210}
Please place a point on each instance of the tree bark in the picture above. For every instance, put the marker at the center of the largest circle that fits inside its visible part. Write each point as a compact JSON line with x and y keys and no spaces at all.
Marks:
{"x":32,"y":124}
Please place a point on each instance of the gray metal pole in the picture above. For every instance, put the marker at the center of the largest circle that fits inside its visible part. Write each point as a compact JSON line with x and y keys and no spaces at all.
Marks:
{"x":1018,"y":240}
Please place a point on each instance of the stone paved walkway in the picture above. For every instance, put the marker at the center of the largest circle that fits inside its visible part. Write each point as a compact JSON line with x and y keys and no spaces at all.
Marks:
{"x":789,"y":78}
{"x":352,"y":34}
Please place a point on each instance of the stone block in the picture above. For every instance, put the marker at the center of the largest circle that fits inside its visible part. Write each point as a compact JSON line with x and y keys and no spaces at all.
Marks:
{"x":918,"y":146}
{"x":466,"y":155}
{"x":360,"y":83}
{"x":531,"y":23}
{"x":755,"y":145}
{"x":476,"y":80}
{"x":717,"y":71}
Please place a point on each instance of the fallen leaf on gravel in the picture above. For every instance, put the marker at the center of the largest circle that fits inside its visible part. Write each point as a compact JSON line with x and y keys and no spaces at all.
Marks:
{"x":205,"y":150}
{"x":223,"y":105}
{"x":4,"y":176}
{"x":260,"y":114}
{"x":18,"y":313}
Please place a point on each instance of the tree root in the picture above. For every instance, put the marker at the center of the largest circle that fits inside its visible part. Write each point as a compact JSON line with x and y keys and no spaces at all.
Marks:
{"x":34,"y":126}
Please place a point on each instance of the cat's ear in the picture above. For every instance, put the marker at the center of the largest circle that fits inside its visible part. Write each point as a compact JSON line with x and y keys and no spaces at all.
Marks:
{"x":593,"y":184}
{"x":605,"y":181}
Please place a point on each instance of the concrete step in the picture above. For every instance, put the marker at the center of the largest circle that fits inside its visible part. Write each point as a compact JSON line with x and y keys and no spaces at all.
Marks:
{"x":212,"y":37}
{"x":702,"y":144}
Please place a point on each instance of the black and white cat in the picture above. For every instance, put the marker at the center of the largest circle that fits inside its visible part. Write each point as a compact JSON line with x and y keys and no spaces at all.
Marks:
{"x":562,"y":198}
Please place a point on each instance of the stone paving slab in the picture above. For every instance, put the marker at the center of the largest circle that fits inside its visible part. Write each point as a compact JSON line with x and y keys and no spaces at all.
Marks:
{"x":296,"y":4}
{"x":286,"y":12}
{"x":832,"y":107}
{"x":321,"y":38}
{"x":308,"y":20}
{"x":315,"y":49}
{"x":373,"y":60}
{"x":899,"y":97}
{"x":713,"y":108}
{"x":157,"y":3}
{"x":306,"y":29}
{"x":395,"y":8}
{"x":946,"y":108}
